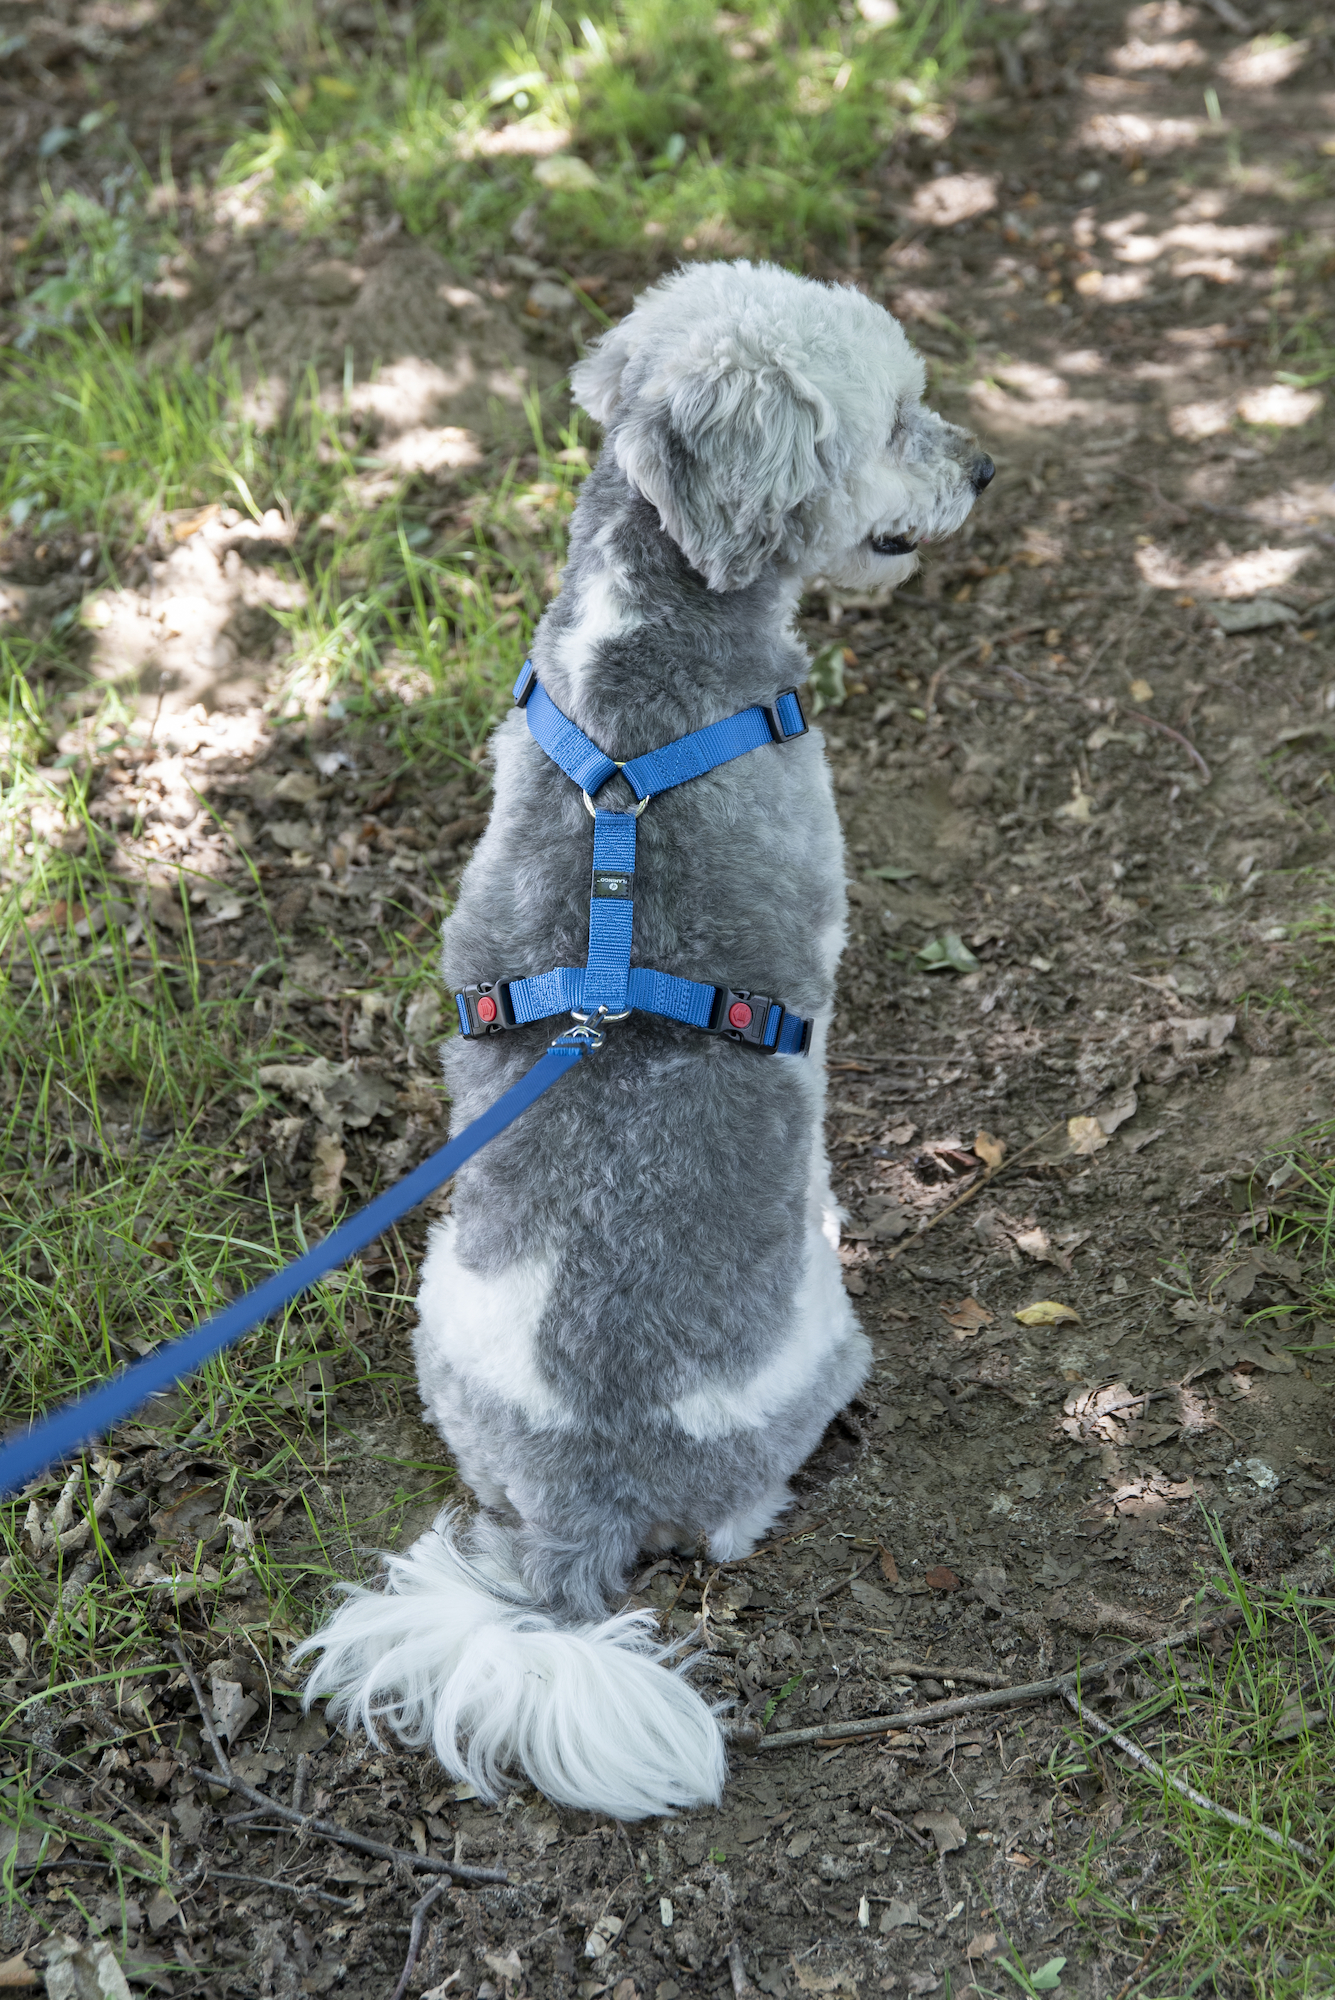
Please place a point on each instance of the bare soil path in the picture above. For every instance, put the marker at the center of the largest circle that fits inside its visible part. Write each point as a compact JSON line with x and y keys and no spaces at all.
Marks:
{"x":1109,"y":807}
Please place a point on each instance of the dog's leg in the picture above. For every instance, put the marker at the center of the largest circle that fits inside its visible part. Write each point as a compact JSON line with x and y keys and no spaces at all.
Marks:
{"x":741,"y":1532}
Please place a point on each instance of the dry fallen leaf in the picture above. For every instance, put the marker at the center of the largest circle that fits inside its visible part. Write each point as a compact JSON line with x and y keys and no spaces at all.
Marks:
{"x":1124,"y":1106}
{"x":889,"y":1567}
{"x":944,"y":1828}
{"x":1141,"y":691}
{"x":941,"y":1578}
{"x":990,"y":1151}
{"x":968,"y":1316}
{"x":980,"y":1944}
{"x":84,"y":1971}
{"x":17,"y":1972}
{"x":812,"y":1981}
{"x":601,"y":1937}
{"x":327,"y":1172}
{"x":899,"y":1135}
{"x":1085,"y":1135}
{"x":1035,"y":1243}
{"x":897,"y":1914}
{"x":1046,"y":1312}
{"x":508,"y":1969}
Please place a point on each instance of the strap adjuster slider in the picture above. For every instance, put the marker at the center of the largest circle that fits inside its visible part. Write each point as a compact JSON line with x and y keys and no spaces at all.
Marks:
{"x":785,"y":717}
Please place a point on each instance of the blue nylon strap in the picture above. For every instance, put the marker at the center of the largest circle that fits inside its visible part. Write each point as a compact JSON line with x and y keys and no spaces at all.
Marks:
{"x":791,"y":1035}
{"x":611,"y":912}
{"x":648,"y":992}
{"x":678,"y":999}
{"x":703,"y":750}
{"x":657,"y":770}
{"x":564,"y":743}
{"x":62,"y":1434}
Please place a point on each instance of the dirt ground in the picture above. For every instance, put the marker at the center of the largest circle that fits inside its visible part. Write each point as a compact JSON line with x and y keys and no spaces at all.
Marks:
{"x":1050,"y":753}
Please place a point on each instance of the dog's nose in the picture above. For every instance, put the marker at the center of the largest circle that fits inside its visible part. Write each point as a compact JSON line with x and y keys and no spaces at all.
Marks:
{"x":983,"y":473}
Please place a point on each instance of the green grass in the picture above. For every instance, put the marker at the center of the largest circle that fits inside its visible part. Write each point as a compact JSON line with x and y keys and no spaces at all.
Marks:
{"x":1251,"y":1731}
{"x":136,"y":1197}
{"x":1305,"y":1227}
{"x":680,"y":127}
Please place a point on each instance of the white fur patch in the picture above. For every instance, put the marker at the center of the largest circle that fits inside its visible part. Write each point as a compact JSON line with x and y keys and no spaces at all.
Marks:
{"x":484,"y":1327}
{"x":822,"y":1323}
{"x":603,"y":615}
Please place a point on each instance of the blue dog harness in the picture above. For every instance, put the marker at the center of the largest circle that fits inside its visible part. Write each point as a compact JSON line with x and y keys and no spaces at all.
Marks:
{"x":608,"y":987}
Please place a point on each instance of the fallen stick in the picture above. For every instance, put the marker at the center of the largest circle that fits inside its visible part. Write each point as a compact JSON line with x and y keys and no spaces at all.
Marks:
{"x":832,"y":1589}
{"x":918,"y":1839}
{"x":287,"y":1888}
{"x":215,"y":1744}
{"x":985,"y":1179}
{"x":415,"y":1937}
{"x":916,"y":1667}
{"x":1153,"y":722}
{"x":970,"y":1704}
{"x":742,"y":1989}
{"x":1164,"y":1777}
{"x":1148,"y":1954}
{"x":429,"y":1864}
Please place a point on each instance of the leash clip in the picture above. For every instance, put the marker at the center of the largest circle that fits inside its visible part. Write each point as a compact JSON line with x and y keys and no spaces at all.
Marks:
{"x":585,"y":1036}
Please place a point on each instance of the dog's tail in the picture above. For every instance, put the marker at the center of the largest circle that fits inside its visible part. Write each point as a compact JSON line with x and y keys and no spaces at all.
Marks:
{"x":455,"y":1653}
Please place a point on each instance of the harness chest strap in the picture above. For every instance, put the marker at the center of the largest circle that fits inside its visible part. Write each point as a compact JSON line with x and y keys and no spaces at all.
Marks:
{"x":608,"y":985}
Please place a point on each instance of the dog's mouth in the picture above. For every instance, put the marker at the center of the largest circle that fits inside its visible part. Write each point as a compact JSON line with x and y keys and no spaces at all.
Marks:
{"x":892,"y":545}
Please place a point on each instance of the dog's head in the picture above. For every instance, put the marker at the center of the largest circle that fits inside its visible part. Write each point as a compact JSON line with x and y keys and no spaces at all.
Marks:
{"x":772,"y":419}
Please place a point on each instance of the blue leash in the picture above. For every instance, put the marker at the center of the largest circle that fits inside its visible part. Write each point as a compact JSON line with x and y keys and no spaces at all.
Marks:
{"x":63,"y":1433}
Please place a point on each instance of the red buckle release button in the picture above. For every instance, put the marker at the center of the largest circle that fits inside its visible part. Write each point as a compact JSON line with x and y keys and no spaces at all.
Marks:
{"x":487,"y":1009}
{"x":739,"y":1015}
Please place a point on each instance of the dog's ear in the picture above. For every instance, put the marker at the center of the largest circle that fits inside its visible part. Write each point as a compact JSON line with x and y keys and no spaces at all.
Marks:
{"x":722,"y":434}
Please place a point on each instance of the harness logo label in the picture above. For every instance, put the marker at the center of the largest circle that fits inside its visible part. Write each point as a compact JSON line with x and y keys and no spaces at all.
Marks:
{"x":613,"y":882}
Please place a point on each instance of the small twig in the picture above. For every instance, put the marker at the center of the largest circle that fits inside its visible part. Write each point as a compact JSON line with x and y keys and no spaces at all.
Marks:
{"x":1148,"y":1954}
{"x":429,"y":1863}
{"x":918,"y":1839}
{"x":287,"y":1888}
{"x":299,"y":1782}
{"x":915,"y":1667}
{"x":809,"y":1604}
{"x":215,"y":1743}
{"x":1153,"y":722}
{"x":945,"y":1711}
{"x":415,"y":1937}
{"x":741,"y":1985}
{"x":985,"y":1179}
{"x":979,"y":650}
{"x":1162,"y":1776}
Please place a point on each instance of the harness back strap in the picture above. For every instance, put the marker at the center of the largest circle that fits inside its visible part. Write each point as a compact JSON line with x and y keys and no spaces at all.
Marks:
{"x":609,"y":986}
{"x":657,"y":770}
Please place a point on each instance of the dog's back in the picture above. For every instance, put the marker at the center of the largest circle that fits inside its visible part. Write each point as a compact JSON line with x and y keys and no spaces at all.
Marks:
{"x":633,"y":1327}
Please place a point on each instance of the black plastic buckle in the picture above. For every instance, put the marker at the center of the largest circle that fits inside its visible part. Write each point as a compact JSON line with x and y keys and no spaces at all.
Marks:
{"x":525,"y":684}
{"x":776,"y":728}
{"x":742,"y":1017}
{"x":485,"y":1009}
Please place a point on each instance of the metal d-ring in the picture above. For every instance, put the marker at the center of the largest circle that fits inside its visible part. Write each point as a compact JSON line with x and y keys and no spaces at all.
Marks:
{"x":600,"y":1015}
{"x":592,"y":811}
